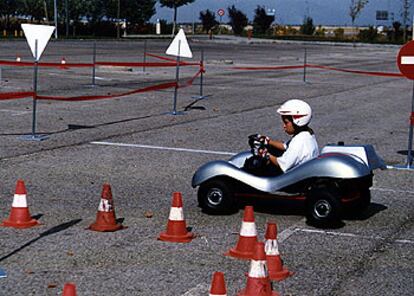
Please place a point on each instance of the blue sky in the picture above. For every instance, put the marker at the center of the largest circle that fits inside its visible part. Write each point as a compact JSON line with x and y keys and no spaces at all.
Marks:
{"x":323,"y":12}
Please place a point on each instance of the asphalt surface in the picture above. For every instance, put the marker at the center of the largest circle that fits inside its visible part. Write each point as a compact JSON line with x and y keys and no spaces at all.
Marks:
{"x":372,"y":255}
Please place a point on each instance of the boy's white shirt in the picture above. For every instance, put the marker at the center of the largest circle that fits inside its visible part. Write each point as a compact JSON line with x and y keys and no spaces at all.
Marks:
{"x":299,"y":149}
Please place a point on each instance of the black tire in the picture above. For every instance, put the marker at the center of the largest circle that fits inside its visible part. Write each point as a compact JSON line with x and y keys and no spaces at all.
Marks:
{"x":358,"y":207}
{"x":215,"y":196}
{"x":323,"y":207}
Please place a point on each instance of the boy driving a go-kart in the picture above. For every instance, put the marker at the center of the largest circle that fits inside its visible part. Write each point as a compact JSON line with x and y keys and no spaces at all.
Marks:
{"x":273,"y":157}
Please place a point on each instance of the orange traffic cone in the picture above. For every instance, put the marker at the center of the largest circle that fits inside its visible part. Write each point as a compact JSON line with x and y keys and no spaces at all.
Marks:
{"x":218,"y":285}
{"x":69,"y":289}
{"x":19,"y":214}
{"x":258,"y":282}
{"x":274,"y":262}
{"x":105,"y":218}
{"x":176,"y":228}
{"x":247,"y":238}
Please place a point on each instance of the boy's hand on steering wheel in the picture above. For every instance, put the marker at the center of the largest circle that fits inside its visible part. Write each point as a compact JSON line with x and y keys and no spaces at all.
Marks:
{"x":258,"y":141}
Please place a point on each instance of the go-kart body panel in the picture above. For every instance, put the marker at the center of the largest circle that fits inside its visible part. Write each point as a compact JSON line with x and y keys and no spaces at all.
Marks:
{"x":333,"y":164}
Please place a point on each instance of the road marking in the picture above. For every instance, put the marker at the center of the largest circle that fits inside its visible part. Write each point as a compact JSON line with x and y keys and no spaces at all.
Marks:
{"x":285,"y":234}
{"x":392,"y":190}
{"x":353,"y":235}
{"x":163,"y":148}
{"x":200,"y":289}
{"x":213,"y":152}
{"x":15,"y":112}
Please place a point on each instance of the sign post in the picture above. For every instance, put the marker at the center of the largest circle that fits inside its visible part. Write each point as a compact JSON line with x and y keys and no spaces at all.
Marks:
{"x":37,"y":37}
{"x":220,"y":13}
{"x":179,"y":48}
{"x":405,"y":62}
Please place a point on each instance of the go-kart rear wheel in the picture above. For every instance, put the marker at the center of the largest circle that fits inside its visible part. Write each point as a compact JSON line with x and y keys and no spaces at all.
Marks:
{"x":216,"y":196}
{"x":323,"y":207}
{"x":358,"y":207}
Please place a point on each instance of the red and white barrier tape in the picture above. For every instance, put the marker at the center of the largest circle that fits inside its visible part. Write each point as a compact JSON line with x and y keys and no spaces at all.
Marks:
{"x":372,"y":73}
{"x":16,"y":95}
{"x":98,"y":97}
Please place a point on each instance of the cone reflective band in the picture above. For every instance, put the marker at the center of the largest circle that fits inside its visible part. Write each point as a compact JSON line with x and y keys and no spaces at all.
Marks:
{"x":218,"y":285}
{"x":20,"y":215}
{"x":176,"y":227}
{"x":258,"y":282}
{"x":105,"y":218}
{"x":247,"y":238}
{"x":274,"y":262}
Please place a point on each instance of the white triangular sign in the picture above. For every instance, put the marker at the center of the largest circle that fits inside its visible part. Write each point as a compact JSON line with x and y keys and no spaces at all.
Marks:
{"x":41,"y":33}
{"x":179,"y":46}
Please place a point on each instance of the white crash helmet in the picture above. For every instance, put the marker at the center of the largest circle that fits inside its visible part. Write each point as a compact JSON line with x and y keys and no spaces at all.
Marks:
{"x":300,"y":111}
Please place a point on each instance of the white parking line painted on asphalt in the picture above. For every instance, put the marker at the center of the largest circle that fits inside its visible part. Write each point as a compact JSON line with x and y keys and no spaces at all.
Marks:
{"x":353,"y":235}
{"x":15,"y":112}
{"x":200,"y":289}
{"x":392,"y":190}
{"x":285,"y":234}
{"x":163,"y":148}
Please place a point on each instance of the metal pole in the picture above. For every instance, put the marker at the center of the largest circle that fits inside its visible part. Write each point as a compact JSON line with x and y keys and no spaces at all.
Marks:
{"x":56,"y":20}
{"x":67,"y":17}
{"x":94,"y":62}
{"x":304,"y":66}
{"x":118,"y":13}
{"x":145,"y":55}
{"x":35,"y":69}
{"x":177,"y":77}
{"x":410,"y":135}
{"x":201,"y":74}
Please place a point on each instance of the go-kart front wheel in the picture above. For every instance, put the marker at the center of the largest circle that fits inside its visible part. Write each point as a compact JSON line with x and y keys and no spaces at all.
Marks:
{"x":323,"y":207}
{"x":216,"y":196}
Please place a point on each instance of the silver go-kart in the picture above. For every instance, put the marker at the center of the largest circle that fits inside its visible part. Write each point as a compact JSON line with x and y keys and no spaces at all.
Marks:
{"x":336,"y":182}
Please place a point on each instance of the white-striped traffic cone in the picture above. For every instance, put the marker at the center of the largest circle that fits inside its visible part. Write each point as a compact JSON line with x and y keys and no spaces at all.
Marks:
{"x":218,"y":285}
{"x":20,"y":214}
{"x":105,"y":218}
{"x":247,"y":238}
{"x":176,"y":227}
{"x":274,"y":262}
{"x":258,"y":281}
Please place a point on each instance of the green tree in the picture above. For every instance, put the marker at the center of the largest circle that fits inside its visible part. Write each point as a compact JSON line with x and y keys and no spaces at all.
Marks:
{"x":355,"y":9}
{"x":208,"y":20}
{"x":307,"y":28}
{"x":368,"y":35}
{"x":34,"y":9}
{"x":406,"y":4}
{"x":135,"y":11}
{"x":175,"y":4}
{"x":262,"y":21}
{"x":8,"y":9}
{"x":238,"y":20}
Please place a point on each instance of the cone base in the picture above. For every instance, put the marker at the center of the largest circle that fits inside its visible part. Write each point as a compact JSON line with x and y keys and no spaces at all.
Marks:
{"x":243,"y":293}
{"x":26,"y":224}
{"x":185,"y":238}
{"x":105,"y":228}
{"x":280,"y":275}
{"x":239,"y":254}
